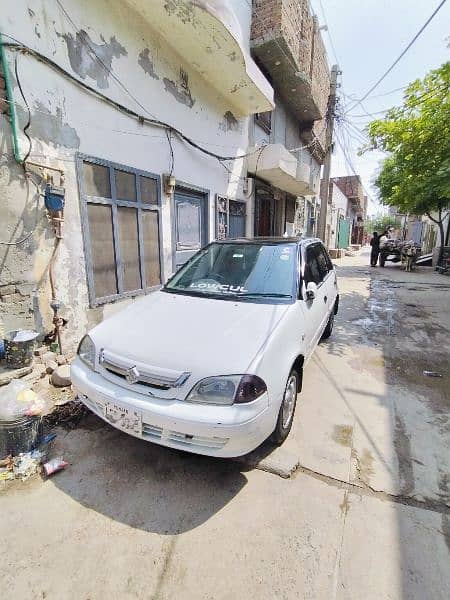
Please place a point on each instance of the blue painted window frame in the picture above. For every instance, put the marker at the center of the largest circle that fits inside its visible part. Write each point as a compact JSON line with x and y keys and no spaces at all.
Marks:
{"x":115,"y":202}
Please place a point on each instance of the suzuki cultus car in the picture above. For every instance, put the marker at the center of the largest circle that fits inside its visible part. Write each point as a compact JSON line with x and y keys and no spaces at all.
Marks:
{"x":213,"y":362}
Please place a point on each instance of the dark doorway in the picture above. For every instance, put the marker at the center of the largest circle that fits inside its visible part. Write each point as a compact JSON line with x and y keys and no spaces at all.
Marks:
{"x":264,"y":210}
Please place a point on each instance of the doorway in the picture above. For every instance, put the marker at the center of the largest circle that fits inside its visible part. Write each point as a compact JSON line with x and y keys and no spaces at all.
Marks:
{"x":264,"y":210}
{"x":191,"y":224}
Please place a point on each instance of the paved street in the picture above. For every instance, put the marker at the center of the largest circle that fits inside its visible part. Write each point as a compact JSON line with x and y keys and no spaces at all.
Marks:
{"x":355,"y":505}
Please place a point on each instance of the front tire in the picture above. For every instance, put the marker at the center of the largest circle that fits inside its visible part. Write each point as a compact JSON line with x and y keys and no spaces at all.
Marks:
{"x":329,"y":327}
{"x":287,"y":409}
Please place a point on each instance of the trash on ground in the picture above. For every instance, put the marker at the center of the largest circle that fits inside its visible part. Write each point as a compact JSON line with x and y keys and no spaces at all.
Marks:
{"x":54,"y":465}
{"x":26,"y":465}
{"x":47,"y":439}
{"x":432,"y":374}
{"x":17,"y":399}
{"x":66,"y":415}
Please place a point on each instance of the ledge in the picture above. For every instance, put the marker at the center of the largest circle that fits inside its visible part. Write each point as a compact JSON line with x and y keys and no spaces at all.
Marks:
{"x":279,"y":167}
{"x":207,"y":35}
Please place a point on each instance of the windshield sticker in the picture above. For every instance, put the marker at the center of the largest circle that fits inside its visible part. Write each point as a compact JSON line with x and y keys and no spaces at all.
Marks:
{"x":284,"y":257}
{"x":238,"y":255}
{"x":222,"y":287}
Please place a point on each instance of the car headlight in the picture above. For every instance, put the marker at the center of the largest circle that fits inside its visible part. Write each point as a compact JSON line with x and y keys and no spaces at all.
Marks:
{"x":86,"y":351}
{"x":227,"y":390}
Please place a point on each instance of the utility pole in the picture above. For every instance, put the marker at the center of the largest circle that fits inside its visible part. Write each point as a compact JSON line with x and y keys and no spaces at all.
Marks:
{"x":329,"y":148}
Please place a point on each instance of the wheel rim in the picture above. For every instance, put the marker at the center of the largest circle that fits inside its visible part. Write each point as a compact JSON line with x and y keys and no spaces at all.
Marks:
{"x":290,"y":396}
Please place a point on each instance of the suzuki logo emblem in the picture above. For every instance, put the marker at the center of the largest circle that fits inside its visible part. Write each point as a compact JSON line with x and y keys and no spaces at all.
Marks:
{"x":132,"y":375}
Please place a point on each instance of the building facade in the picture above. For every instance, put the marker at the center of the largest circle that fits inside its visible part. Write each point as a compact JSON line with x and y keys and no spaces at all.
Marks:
{"x":133,"y":133}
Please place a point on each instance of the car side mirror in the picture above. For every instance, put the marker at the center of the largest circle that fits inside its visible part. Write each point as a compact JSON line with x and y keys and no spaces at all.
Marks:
{"x":311,"y":290}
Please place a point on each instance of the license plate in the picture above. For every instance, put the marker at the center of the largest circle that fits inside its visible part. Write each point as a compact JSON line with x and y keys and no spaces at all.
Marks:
{"x":127,"y":419}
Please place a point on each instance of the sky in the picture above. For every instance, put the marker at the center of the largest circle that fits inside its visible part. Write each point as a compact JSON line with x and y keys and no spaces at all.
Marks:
{"x":367,"y":36}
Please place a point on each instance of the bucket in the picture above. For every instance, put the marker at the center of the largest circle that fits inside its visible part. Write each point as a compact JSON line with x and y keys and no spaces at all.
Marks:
{"x":19,"y":348}
{"x":19,"y":435}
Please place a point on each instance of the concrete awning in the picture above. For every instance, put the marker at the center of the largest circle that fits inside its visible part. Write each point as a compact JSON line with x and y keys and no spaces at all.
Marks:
{"x":207,"y":35}
{"x":279,"y":167}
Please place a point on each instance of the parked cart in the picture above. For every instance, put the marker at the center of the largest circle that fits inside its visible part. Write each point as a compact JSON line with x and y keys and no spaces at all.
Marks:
{"x":400,"y":251}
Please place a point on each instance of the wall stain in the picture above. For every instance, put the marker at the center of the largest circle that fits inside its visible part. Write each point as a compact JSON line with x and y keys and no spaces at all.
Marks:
{"x":402,"y":445}
{"x":345,"y":506}
{"x":146,"y":63}
{"x":238,"y":86}
{"x":446,"y":530}
{"x":180,"y":91}
{"x":181,"y":10}
{"x":229,"y":122}
{"x":50,"y":128}
{"x":343,"y":434}
{"x":365,"y":466}
{"x":83,"y":61}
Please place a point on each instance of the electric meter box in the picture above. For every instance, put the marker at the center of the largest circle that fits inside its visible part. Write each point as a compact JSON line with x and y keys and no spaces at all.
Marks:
{"x":54,"y":198}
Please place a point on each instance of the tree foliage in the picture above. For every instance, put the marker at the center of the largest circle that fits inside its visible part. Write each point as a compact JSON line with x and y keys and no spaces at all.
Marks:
{"x":415,"y":176}
{"x":379,"y":223}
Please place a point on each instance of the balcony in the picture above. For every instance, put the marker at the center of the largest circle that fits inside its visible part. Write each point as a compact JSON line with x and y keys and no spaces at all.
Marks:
{"x":207,"y":35}
{"x":286,"y":42}
{"x":280,"y":168}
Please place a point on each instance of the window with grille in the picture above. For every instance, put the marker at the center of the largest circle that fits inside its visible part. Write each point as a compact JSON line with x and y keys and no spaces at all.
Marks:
{"x":121,"y":227}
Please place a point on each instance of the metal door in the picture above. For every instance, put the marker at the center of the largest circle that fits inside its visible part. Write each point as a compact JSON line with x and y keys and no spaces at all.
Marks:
{"x":191,"y":225}
{"x":236,"y":219}
{"x":416,"y":232}
{"x":343,"y":233}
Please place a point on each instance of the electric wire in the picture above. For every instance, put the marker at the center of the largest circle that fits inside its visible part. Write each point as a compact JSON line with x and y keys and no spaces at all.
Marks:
{"x":402,"y":54}
{"x":130,"y":112}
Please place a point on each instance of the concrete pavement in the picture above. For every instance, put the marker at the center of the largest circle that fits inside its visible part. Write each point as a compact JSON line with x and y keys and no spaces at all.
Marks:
{"x":361,"y":510}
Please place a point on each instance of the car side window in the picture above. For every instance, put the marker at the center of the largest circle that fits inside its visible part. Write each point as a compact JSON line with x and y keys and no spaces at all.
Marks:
{"x":312,"y":269}
{"x":322,"y":260}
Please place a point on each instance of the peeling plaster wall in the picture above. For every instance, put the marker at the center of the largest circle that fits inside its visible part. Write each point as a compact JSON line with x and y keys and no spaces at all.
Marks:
{"x":66,"y":120}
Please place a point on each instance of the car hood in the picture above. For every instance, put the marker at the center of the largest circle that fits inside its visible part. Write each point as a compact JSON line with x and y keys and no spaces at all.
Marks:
{"x":182,"y":333}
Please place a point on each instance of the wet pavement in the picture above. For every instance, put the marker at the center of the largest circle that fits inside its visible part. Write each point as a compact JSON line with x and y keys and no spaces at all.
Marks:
{"x":356,"y":503}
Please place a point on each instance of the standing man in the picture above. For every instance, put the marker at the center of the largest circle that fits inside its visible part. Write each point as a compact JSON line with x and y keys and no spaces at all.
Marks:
{"x":375,"y":243}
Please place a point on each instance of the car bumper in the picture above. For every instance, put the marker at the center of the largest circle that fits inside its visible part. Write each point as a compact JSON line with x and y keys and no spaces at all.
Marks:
{"x":222,"y":431}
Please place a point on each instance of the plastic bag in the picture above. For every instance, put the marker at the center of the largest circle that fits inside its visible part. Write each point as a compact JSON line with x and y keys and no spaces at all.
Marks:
{"x":54,"y":465}
{"x":17,"y":399}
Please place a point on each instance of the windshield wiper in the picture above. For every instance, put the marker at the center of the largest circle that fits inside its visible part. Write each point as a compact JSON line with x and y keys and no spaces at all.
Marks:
{"x":263,"y":295}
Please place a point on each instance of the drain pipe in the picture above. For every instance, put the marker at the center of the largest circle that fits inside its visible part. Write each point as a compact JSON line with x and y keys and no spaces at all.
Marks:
{"x":10,"y":99}
{"x":57,"y":321}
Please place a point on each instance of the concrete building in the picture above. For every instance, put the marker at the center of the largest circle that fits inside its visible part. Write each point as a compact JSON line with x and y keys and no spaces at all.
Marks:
{"x":162,"y":126}
{"x":338,"y":231}
{"x":351,"y":187}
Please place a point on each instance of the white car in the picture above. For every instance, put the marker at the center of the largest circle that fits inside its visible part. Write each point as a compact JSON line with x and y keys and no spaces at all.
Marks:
{"x":212,"y":363}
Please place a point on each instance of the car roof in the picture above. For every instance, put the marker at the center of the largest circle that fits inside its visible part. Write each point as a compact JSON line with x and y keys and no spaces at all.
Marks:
{"x":269,"y":240}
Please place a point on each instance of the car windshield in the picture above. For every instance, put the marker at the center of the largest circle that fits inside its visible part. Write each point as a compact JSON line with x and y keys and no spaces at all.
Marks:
{"x":236,"y":270}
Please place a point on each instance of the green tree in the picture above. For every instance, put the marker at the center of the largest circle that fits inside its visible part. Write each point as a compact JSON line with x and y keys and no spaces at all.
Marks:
{"x":415,"y":176}
{"x":379,"y":223}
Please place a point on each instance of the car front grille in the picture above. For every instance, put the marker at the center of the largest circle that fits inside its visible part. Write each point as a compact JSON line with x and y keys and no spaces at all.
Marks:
{"x":128,"y":373}
{"x":184,"y":440}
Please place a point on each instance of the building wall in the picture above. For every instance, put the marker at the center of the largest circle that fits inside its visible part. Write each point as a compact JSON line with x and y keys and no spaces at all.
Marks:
{"x":66,"y":120}
{"x":337,"y":210}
